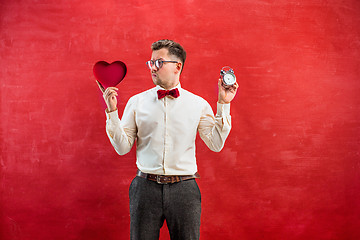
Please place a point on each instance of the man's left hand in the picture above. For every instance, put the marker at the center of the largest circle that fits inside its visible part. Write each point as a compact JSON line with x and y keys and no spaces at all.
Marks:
{"x":226,"y":94}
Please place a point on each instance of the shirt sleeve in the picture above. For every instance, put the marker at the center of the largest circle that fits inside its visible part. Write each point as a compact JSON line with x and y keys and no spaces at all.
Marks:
{"x":214,"y":130}
{"x":122,"y":133}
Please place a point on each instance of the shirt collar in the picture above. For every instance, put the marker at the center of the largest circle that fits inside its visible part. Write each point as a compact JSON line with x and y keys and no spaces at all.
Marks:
{"x":160,"y":88}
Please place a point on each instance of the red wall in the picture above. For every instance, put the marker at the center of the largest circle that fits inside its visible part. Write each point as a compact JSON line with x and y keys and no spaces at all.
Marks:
{"x":290,"y":168}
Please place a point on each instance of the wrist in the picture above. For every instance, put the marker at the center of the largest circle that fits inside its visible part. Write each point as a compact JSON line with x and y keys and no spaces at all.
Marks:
{"x":223,"y":102}
{"x":111,"y":110}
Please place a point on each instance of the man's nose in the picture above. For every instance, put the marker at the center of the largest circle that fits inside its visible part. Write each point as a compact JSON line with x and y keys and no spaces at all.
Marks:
{"x":154,"y":68}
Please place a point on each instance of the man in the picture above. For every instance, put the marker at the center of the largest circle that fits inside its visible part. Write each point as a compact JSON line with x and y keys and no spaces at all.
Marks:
{"x":164,"y":122}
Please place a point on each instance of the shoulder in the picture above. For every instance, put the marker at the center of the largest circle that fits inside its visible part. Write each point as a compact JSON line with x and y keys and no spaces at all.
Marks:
{"x":145,"y":95}
{"x":139,"y":98}
{"x":193,"y":97}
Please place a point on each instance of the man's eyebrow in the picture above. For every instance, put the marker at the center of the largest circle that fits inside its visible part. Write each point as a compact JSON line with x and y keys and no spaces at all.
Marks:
{"x":157,"y":59}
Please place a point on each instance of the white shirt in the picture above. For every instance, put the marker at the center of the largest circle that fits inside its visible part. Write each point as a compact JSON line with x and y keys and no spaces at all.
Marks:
{"x":165,"y":130}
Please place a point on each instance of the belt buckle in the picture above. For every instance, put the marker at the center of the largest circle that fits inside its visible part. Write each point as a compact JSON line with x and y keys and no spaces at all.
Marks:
{"x":158,"y":179}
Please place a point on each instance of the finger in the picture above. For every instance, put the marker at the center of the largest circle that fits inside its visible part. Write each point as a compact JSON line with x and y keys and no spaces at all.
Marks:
{"x":111,"y":94}
{"x":106,"y":93}
{"x":234,"y":87}
{"x":221,"y":84}
{"x":110,"y":90}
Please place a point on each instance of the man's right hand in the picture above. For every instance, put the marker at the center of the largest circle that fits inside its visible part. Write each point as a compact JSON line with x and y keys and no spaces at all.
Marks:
{"x":109,"y":96}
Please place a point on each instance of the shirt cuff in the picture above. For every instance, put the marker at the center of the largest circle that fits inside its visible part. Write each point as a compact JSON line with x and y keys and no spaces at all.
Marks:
{"x":111,"y":115}
{"x":223,"y":109}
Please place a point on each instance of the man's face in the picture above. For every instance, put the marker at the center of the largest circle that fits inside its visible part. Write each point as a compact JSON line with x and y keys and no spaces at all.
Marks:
{"x":167,"y":76}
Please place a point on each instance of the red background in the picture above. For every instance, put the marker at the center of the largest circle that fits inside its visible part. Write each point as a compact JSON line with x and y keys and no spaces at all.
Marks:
{"x":290,"y":168}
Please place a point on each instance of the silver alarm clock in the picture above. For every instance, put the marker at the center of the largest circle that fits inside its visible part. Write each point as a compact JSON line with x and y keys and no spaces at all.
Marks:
{"x":228,"y":77}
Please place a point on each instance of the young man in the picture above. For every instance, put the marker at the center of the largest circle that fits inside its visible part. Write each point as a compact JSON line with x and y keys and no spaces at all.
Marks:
{"x":164,"y":122}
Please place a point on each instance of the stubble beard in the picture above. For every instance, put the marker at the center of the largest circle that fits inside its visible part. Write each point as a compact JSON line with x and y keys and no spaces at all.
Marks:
{"x":156,"y":80}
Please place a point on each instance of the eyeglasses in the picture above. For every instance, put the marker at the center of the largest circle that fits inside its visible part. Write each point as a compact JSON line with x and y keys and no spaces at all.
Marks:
{"x":158,"y":63}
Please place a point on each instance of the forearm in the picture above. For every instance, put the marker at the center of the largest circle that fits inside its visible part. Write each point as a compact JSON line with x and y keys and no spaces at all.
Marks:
{"x":121,"y":138}
{"x":214,"y":130}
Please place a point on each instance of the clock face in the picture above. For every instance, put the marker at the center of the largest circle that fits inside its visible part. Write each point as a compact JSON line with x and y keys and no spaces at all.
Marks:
{"x":229,"y":79}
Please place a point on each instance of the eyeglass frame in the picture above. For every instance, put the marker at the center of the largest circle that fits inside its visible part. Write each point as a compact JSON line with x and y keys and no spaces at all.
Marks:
{"x":158,"y":63}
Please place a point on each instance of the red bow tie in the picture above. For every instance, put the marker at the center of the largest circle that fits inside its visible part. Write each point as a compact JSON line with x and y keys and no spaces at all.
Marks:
{"x":173,"y":92}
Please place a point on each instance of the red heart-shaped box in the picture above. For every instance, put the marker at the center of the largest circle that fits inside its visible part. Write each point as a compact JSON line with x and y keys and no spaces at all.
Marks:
{"x":109,"y":75}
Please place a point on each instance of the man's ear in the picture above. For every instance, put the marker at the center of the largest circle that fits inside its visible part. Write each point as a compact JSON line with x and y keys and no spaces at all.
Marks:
{"x":178,"y":67}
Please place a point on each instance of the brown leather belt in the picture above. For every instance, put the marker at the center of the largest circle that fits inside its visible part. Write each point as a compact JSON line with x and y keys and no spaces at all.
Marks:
{"x":165,"y":179}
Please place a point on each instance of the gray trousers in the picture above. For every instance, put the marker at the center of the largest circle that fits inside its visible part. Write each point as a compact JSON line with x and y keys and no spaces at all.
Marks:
{"x":151,"y":203}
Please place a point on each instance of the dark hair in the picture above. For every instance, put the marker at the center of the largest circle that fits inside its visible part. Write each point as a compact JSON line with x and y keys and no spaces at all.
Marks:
{"x":174,"y":48}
